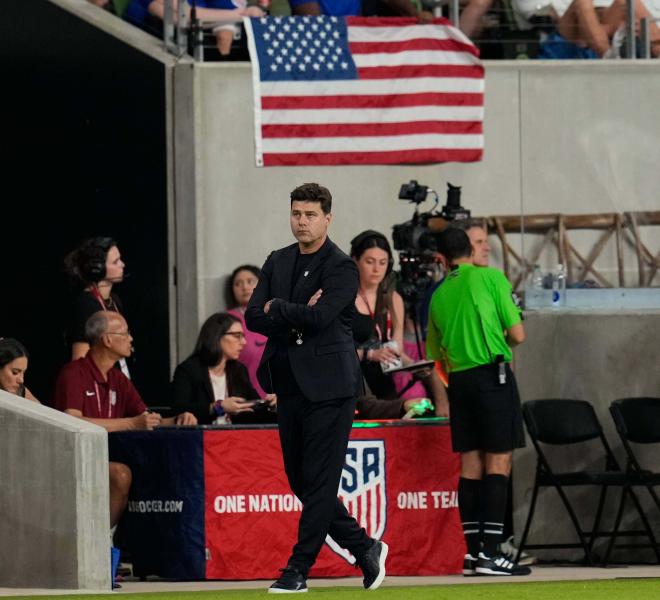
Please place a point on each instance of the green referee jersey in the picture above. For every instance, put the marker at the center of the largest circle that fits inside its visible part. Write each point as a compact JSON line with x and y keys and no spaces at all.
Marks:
{"x":467,"y":318}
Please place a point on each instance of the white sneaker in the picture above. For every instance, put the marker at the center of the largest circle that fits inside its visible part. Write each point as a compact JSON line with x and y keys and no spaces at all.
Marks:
{"x":510,"y":551}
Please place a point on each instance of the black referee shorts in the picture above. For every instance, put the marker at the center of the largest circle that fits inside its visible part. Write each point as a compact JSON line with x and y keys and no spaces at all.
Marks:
{"x":484,"y":414}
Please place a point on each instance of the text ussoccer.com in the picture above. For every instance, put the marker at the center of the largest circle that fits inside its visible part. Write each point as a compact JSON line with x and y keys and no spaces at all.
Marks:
{"x":155,"y":506}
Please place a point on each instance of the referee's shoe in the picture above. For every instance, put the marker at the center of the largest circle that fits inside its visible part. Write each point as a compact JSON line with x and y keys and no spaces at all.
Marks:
{"x":499,"y":564}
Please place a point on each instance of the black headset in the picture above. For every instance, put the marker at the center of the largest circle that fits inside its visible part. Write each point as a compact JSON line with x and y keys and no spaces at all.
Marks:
{"x":92,"y":256}
{"x":359,"y":239}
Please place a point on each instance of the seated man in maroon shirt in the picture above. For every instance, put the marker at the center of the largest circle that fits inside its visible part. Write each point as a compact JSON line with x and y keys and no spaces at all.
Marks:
{"x":92,"y":389}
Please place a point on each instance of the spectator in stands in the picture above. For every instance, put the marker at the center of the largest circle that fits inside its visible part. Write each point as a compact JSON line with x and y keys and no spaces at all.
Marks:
{"x":222,"y":15}
{"x":91,"y":389}
{"x":212,"y":384}
{"x":95,"y":267}
{"x":379,"y":321}
{"x":616,"y":17}
{"x":471,"y":20}
{"x":13,"y":366}
{"x":583,"y":23}
{"x":587,"y":28}
{"x":650,"y":9}
{"x":344,"y":8}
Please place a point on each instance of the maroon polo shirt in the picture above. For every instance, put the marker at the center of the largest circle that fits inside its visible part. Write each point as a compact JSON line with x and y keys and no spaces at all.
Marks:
{"x":81,"y":386}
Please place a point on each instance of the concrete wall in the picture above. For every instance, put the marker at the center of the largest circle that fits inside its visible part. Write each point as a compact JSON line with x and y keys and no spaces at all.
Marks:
{"x":572,"y":137}
{"x":585,"y":355}
{"x":54,"y":525}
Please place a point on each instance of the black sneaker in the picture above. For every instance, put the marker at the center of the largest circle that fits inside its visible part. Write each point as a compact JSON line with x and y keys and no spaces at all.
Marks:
{"x":291,"y":581}
{"x":499,"y":565}
{"x":373,"y":565}
{"x":469,"y":565}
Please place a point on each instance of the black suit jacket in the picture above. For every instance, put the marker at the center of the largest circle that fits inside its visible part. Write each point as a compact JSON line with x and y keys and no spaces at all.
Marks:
{"x":191,"y":388}
{"x":325,"y":365}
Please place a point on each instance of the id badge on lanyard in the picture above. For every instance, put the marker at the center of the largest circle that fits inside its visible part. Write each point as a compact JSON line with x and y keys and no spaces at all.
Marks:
{"x":112,"y":401}
{"x":388,"y":321}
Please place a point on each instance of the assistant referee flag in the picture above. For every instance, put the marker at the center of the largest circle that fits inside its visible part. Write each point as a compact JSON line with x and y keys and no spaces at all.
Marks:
{"x":354,"y":90}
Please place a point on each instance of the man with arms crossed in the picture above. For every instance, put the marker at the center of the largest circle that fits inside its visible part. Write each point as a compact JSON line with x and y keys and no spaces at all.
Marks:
{"x":304,"y":303}
{"x":473,"y":323}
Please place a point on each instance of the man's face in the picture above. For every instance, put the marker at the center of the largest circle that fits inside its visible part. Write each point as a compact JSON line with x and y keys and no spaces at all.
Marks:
{"x":480,"y":249}
{"x":118,"y":337}
{"x":309,"y":223}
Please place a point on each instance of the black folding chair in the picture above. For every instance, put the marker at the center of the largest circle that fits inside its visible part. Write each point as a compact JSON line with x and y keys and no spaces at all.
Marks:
{"x":637,"y":421}
{"x":563,"y":423}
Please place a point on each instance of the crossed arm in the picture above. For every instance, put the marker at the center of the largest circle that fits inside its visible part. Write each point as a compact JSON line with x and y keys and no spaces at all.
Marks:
{"x":339,"y":288}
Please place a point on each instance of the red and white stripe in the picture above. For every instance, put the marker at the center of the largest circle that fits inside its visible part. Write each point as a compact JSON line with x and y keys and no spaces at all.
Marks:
{"x":419,"y":99}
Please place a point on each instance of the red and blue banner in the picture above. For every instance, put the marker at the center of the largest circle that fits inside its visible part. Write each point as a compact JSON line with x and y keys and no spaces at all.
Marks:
{"x":400,"y":482}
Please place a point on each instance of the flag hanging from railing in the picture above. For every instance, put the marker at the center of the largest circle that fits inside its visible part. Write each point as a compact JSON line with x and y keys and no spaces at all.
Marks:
{"x":357,"y":91}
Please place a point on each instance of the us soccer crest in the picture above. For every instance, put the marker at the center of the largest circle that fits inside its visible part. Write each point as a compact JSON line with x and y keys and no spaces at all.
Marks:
{"x":362,"y":490}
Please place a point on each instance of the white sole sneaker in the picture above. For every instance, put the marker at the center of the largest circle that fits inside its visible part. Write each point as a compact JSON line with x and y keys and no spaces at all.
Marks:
{"x":499,"y":565}
{"x":381,"y":565}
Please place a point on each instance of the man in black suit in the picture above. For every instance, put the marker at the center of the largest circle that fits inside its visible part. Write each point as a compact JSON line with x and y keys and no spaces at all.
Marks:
{"x":304,"y":303}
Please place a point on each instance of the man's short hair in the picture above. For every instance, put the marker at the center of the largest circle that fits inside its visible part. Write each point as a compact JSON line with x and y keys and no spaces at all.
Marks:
{"x":454,"y":243}
{"x":313,"y":192}
{"x":96,"y":327}
{"x":467,"y":224}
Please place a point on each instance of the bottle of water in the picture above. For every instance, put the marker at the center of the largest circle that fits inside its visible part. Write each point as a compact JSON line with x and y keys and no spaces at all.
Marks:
{"x":534,"y":294}
{"x":559,"y":287}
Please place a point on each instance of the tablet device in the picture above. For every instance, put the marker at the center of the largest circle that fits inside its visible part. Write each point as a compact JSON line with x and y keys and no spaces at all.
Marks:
{"x":416,"y":366}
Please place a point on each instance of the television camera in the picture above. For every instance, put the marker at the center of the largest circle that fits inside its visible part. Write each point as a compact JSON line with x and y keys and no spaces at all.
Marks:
{"x":417,"y":239}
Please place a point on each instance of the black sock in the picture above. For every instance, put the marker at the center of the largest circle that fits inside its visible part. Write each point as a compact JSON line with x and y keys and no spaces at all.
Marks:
{"x":469,"y":491}
{"x":494,"y":493}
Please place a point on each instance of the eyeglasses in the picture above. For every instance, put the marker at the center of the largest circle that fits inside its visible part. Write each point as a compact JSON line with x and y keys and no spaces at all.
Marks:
{"x":124,"y":333}
{"x":237,"y":335}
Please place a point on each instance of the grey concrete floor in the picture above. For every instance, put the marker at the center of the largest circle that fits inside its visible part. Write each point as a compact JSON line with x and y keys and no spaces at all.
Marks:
{"x":539,"y":573}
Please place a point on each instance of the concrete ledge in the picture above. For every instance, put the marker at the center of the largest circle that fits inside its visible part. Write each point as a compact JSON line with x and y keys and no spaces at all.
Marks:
{"x":53,"y":499}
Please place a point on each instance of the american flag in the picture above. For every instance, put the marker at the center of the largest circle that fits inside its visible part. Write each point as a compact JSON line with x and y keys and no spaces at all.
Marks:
{"x":354,"y":90}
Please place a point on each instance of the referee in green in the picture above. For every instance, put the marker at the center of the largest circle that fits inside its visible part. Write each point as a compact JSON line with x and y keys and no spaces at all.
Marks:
{"x":473,"y":323}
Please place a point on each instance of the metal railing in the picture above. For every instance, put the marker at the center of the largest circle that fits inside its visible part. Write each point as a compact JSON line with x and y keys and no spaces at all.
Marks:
{"x":184,"y":33}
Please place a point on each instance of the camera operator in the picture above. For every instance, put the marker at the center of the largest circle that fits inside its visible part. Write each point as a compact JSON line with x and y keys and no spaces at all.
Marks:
{"x":473,"y":323}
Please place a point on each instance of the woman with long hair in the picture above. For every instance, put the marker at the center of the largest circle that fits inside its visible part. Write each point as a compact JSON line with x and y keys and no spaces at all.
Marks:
{"x":212,"y":384}
{"x":379,"y":319}
{"x":378,"y":328}
{"x":95,"y":267}
{"x":13,"y":366}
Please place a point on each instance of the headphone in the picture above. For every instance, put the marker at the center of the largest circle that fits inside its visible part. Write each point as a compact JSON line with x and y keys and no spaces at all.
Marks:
{"x":359,"y":239}
{"x":93,"y":254}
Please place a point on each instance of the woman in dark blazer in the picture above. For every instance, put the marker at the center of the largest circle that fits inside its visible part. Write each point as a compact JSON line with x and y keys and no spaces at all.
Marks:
{"x":212,"y":384}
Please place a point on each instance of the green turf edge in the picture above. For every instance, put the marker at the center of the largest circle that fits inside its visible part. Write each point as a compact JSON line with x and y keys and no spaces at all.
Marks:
{"x":602,"y":589}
